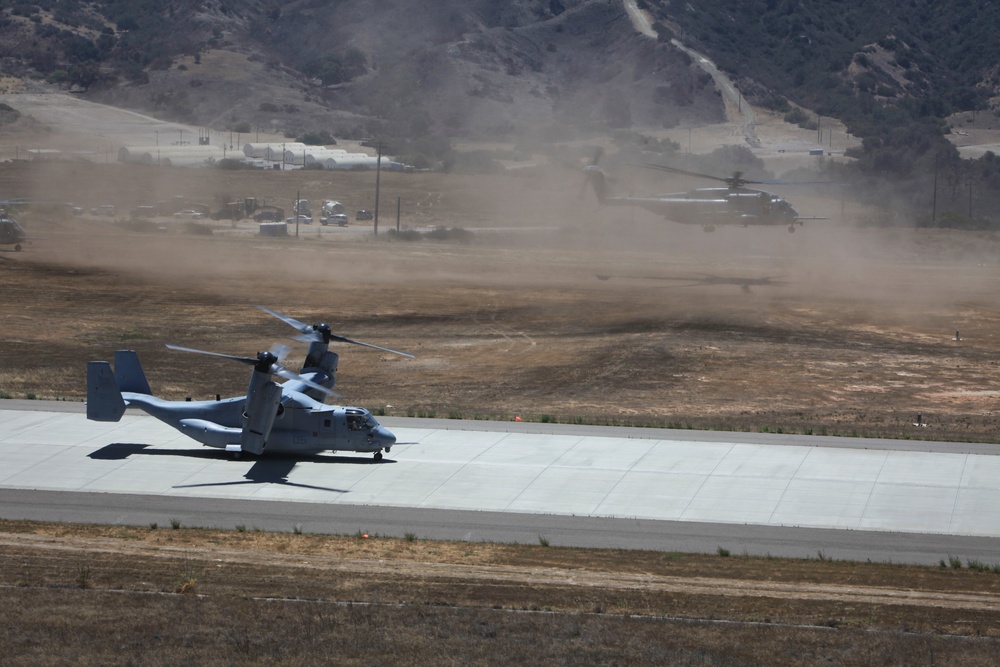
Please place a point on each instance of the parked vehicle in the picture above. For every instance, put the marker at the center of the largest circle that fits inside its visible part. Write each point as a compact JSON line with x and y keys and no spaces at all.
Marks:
{"x":190,"y":214}
{"x":338,"y":219}
{"x":364,"y":214}
{"x":305,"y":219}
{"x":106,"y":209}
{"x":272,"y":215}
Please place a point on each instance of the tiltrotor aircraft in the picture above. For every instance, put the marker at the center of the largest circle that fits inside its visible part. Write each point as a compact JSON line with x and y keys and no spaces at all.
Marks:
{"x":288,"y":418}
{"x":11,"y":233}
{"x":734,"y":204}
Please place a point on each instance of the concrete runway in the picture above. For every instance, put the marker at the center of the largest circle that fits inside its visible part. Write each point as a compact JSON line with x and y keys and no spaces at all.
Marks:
{"x":799,"y":496}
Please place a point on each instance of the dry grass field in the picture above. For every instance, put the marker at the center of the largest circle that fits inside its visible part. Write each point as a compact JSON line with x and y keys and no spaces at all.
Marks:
{"x":171,"y":595}
{"x":554,"y":309}
{"x":551,"y":310}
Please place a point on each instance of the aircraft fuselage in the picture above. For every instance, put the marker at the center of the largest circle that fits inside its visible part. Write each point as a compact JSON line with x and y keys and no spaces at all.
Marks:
{"x":717,"y":206}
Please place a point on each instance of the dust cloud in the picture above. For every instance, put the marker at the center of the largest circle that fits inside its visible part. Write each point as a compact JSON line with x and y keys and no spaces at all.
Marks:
{"x":549,"y":303}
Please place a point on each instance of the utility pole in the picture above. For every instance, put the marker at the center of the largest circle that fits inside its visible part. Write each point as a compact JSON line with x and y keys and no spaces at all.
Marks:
{"x":934,"y":201}
{"x":398,"y":200}
{"x":378,"y":179}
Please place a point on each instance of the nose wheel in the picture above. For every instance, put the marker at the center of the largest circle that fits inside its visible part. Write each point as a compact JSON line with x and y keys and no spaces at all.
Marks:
{"x":378,"y":456}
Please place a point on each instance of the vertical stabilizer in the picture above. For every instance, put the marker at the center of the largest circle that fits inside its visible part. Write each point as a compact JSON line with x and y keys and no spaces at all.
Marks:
{"x":104,"y":399}
{"x":598,"y":182}
{"x":129,"y":373}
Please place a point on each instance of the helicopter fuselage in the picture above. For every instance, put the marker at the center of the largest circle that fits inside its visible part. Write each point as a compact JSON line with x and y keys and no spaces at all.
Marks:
{"x":302,"y":425}
{"x":710,"y":207}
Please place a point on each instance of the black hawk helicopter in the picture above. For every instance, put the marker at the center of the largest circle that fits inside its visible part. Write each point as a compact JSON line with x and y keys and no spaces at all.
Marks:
{"x":11,"y":233}
{"x":289,"y":418}
{"x":735,"y":204}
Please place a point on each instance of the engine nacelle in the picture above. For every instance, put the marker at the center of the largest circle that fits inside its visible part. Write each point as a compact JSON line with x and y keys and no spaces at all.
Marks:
{"x":263,"y":400}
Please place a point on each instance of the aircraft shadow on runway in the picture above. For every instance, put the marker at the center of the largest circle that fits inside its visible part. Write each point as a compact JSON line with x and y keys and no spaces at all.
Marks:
{"x":273,"y":469}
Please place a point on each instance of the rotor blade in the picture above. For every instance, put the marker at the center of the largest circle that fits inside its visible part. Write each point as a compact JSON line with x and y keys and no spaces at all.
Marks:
{"x":684,"y":172}
{"x":283,"y":372}
{"x":246,"y":360}
{"x":279,"y":350}
{"x":312,"y":333}
{"x":733,"y":181}
{"x":291,"y":321}
{"x":344,"y":339}
{"x":778,"y":181}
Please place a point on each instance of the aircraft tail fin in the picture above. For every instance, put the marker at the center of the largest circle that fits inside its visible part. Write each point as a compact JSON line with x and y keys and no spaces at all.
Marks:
{"x":598,"y":182}
{"x":104,"y":398}
{"x":129,"y":373}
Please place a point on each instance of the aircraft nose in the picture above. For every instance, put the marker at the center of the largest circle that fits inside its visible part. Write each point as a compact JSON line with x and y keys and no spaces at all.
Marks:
{"x":384,"y":436}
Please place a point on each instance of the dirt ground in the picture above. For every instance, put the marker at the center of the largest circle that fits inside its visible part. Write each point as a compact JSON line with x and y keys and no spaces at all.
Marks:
{"x":174,"y":595}
{"x":554,"y":308}
{"x":551,"y":309}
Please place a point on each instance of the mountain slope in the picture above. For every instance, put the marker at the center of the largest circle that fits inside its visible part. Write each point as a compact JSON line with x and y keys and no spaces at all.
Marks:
{"x":478,"y":68}
{"x":403,"y":67}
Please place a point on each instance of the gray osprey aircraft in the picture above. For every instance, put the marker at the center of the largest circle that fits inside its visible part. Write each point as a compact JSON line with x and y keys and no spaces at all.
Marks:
{"x":271,"y":417}
{"x":11,"y":233}
{"x":734,"y":204}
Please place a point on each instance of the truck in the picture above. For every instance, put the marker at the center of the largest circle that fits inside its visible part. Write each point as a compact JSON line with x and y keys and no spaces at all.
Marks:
{"x":331,"y":206}
{"x":302,"y":207}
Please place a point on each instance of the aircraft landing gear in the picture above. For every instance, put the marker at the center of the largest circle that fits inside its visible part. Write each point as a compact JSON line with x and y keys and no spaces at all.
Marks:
{"x":709,"y":229}
{"x":791,"y":229}
{"x":378,"y":456}
{"x":17,"y":248}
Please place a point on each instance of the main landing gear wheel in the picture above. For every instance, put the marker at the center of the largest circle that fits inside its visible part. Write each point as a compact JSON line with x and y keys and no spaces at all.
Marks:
{"x":791,"y":229}
{"x":17,"y":248}
{"x":378,"y":456}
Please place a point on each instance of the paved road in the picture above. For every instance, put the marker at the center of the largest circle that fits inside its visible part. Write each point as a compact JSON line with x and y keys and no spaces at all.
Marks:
{"x":739,"y":111}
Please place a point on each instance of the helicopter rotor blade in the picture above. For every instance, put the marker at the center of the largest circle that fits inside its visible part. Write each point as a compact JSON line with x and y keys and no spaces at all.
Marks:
{"x":734,"y":181}
{"x":246,"y":360}
{"x":280,"y":350}
{"x":291,"y":321}
{"x":275,"y":368}
{"x":344,"y":339}
{"x":319,"y":332}
{"x":281,"y":371}
{"x":683,"y":172}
